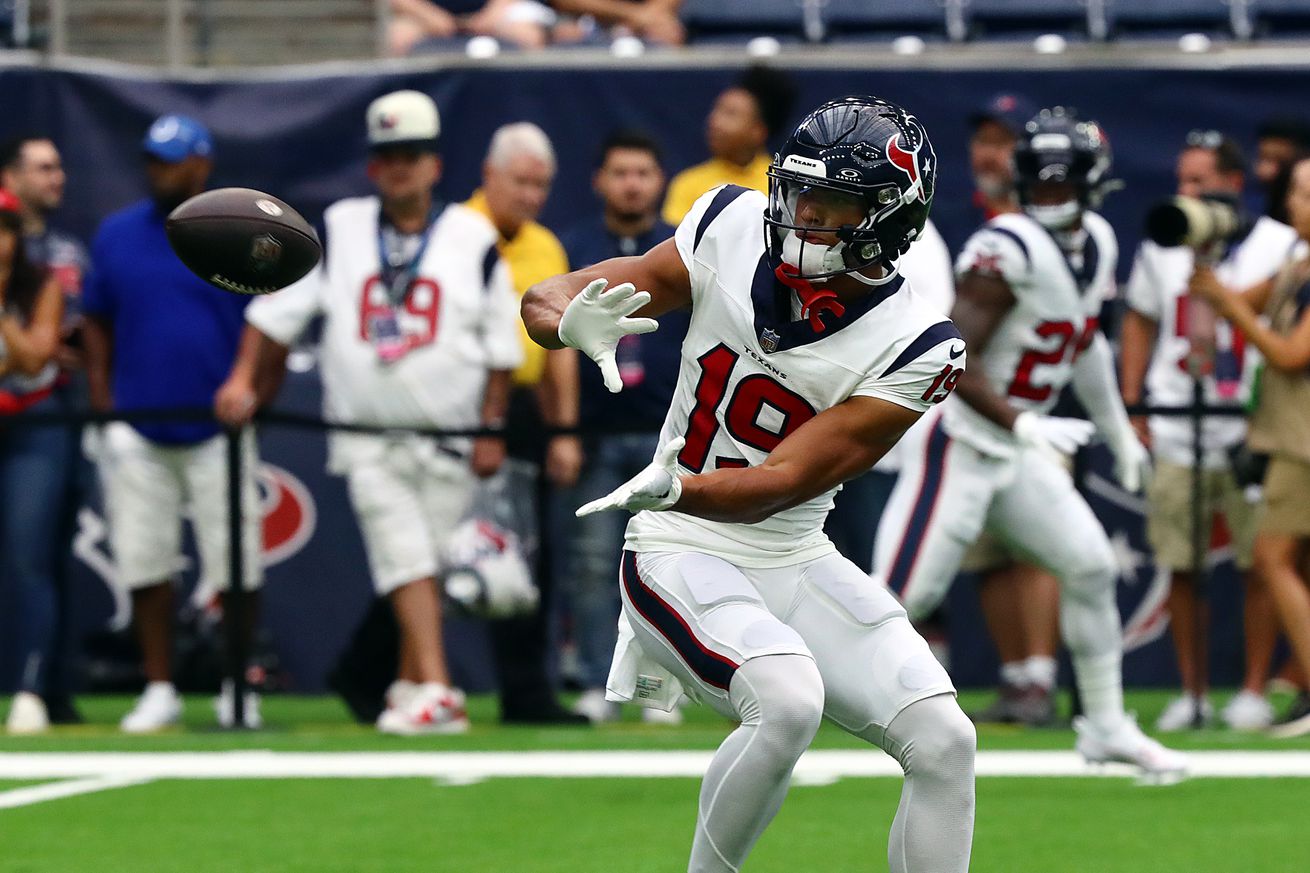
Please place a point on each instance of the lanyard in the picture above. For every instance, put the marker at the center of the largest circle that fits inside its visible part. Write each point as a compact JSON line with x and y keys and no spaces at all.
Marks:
{"x":399,"y":278}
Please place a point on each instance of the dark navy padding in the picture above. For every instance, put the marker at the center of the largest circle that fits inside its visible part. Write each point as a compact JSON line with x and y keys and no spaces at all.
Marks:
{"x":942,"y":331}
{"x":771,"y":301}
{"x":917,"y":528}
{"x":726,"y":195}
{"x":489,"y":262}
{"x":1018,"y":240}
{"x":1082,"y":279}
{"x":712,"y":667}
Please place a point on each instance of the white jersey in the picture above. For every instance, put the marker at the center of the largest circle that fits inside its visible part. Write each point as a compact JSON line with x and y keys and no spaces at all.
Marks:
{"x":926,"y":266}
{"x":1029,"y":359}
{"x":428,"y":366}
{"x":752,"y":373}
{"x":1157,"y":289}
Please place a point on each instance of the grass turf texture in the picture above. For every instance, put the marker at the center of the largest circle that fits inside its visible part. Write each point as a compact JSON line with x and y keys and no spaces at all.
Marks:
{"x":322,"y":724}
{"x":636,"y":826}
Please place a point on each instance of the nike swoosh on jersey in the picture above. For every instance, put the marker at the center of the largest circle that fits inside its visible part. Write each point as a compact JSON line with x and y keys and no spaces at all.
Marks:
{"x":955,"y":353}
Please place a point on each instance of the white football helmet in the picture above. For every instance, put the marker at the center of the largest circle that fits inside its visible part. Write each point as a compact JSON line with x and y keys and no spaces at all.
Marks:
{"x":486,"y":575}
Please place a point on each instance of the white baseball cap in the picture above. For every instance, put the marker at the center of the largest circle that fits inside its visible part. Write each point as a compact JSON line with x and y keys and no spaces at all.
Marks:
{"x":403,"y":118}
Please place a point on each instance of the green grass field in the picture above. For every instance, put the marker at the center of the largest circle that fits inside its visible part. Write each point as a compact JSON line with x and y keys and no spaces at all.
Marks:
{"x":617,"y":825}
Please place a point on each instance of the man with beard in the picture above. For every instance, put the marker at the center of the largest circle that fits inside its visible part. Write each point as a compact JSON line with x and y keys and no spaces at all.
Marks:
{"x":157,"y":336}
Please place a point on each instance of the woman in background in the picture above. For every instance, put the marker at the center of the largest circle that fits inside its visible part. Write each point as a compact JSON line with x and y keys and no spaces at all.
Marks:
{"x":33,"y":460}
{"x":1275,"y":316}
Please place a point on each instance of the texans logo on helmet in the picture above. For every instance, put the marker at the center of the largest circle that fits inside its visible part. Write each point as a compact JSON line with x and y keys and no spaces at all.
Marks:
{"x":908,"y":163}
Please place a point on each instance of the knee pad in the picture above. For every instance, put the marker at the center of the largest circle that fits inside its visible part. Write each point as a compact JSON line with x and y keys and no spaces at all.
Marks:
{"x":782,"y":695}
{"x":934,"y":735}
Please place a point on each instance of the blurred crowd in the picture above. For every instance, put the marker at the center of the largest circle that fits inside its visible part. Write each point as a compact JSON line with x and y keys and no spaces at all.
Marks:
{"x":433,"y":341}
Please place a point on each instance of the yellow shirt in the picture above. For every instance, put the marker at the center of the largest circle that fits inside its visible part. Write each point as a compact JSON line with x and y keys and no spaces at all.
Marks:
{"x":532,"y":255}
{"x":695,"y":181}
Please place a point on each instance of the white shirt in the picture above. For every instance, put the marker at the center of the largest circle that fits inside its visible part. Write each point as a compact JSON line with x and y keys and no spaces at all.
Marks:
{"x":751,"y":375}
{"x":1157,"y":288}
{"x":459,"y":320}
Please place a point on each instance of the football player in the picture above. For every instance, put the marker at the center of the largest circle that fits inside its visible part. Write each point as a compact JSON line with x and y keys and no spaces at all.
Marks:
{"x":1030,"y":288}
{"x":806,"y":358}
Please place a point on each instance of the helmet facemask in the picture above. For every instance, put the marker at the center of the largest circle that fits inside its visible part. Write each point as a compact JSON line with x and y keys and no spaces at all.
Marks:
{"x":856,"y":247}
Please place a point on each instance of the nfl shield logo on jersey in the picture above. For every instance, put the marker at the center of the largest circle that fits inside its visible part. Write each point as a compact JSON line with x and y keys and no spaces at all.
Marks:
{"x":769,"y":341}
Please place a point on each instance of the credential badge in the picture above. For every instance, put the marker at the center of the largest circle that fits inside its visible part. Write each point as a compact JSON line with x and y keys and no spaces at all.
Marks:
{"x":769,"y":341}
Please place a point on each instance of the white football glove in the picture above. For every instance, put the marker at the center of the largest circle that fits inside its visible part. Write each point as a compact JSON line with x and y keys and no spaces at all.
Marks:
{"x":594,"y":322}
{"x":656,"y":487}
{"x":1132,"y":462}
{"x":1055,"y":436}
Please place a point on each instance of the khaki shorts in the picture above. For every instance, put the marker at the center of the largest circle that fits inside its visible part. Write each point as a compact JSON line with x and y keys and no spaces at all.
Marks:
{"x":1287,"y":498}
{"x":1169,"y":517}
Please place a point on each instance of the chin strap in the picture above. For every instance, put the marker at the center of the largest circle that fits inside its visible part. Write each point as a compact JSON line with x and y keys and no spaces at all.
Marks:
{"x":814,"y":301}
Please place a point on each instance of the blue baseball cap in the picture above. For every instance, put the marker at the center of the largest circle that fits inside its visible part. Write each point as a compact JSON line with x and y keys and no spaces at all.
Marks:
{"x":174,"y":138}
{"x":1007,"y":109}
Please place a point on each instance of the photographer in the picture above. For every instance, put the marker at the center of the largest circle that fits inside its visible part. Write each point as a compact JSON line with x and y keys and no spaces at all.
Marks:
{"x":1167,"y":342}
{"x":1280,"y":425}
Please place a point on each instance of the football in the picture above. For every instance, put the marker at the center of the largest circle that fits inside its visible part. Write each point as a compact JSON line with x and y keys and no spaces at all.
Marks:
{"x":242,"y":240}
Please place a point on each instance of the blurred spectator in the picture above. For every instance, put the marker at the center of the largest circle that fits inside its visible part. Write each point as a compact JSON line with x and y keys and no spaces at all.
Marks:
{"x":1155,"y":351}
{"x":33,"y":460}
{"x":1280,"y":142}
{"x":524,"y":23}
{"x":31,"y":168}
{"x":516,"y":179}
{"x":993,"y":130}
{"x":629,"y":180}
{"x":1275,"y":316}
{"x":737,"y":131}
{"x":419,"y":332}
{"x":1020,"y":601}
{"x":158,"y":337}
{"x":654,"y":21}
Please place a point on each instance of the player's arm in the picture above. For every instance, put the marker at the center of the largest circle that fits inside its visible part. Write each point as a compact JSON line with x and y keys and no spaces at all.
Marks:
{"x":834,"y":446}
{"x":256,"y":376}
{"x":981,"y":304}
{"x":593,"y":308}
{"x":1095,"y":386}
{"x":659,"y":273}
{"x":489,"y":451}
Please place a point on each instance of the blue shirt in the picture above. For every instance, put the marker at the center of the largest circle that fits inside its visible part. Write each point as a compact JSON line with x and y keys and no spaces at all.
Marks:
{"x":648,"y":364}
{"x":175,"y":336}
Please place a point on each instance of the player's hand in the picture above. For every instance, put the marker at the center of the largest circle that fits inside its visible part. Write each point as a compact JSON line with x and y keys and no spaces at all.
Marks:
{"x":488,"y":456}
{"x":1132,"y":461}
{"x":595,"y":321}
{"x":235,"y":403}
{"x":1142,"y":427}
{"x":1055,"y":436}
{"x":564,"y":460}
{"x":657,"y":487}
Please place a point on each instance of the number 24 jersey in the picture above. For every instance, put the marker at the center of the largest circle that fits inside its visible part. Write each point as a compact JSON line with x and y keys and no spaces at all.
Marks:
{"x":1030,"y":356}
{"x":753,"y":372}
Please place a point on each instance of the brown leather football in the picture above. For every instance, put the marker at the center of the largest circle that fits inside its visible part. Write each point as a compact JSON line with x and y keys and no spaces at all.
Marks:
{"x":242,"y":240}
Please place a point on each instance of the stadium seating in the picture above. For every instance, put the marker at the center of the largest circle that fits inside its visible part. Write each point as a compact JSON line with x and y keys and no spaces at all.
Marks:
{"x":1166,"y":18}
{"x":1001,"y":18}
{"x":780,"y":18}
{"x":890,"y":18}
{"x":1276,"y":18}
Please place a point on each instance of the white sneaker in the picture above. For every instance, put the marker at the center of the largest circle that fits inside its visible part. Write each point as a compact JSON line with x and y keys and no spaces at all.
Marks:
{"x":595,"y":707}
{"x":224,"y":704}
{"x":1248,"y":711}
{"x":1184,"y":713}
{"x":671,"y":718}
{"x":431,"y":709}
{"x":1127,"y":744}
{"x":400,"y":693}
{"x":27,"y":714}
{"x":159,"y":707}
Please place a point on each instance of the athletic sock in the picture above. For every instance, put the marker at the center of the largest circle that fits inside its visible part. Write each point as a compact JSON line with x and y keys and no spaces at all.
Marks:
{"x":1100,"y":685}
{"x":1014,"y":673}
{"x":1041,"y":671}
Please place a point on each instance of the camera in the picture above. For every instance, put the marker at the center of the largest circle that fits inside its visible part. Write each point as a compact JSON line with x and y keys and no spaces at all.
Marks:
{"x":1205,"y":222}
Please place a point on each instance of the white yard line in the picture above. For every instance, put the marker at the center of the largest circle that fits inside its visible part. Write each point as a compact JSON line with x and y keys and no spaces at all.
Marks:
{"x":59,"y":790}
{"x":816,"y":767}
